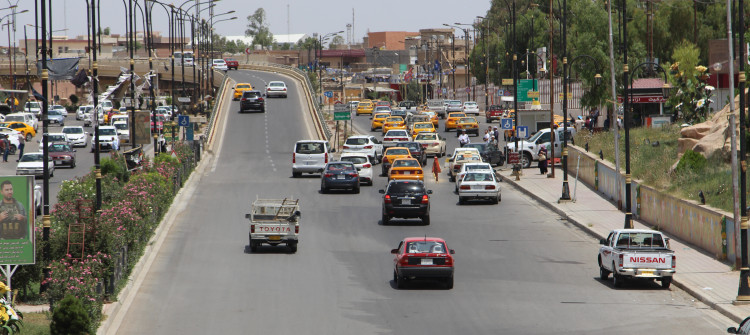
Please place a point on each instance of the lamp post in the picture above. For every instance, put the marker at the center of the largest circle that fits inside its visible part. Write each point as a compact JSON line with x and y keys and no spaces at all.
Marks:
{"x":743,"y":291}
{"x":467,"y":66}
{"x":321,"y":39}
{"x":486,"y":55}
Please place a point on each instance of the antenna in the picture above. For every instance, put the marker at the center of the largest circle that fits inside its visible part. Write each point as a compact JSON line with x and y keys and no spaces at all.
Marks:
{"x":288,"y":24}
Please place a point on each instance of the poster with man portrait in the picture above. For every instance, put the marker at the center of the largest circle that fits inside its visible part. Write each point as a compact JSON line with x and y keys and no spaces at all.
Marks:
{"x":17,"y":220}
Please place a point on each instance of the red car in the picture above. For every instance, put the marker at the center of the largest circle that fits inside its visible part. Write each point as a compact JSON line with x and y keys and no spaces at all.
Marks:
{"x":232,"y":63}
{"x":495,"y":112}
{"x":160,"y":119}
{"x":423,"y":258}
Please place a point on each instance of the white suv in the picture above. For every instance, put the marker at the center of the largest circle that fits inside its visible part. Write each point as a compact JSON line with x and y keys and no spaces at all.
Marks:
{"x":310,"y":156}
{"x":365,"y":144}
{"x":219,"y":64}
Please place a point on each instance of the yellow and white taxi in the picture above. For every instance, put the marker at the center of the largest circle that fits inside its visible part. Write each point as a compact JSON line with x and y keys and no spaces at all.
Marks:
{"x":452,"y":119}
{"x":377,"y":120}
{"x":405,"y":168}
{"x":239,"y":88}
{"x":392,"y":154}
{"x":365,"y":107}
{"x":468,"y":124}
{"x":419,"y":127}
{"x":393,"y":123}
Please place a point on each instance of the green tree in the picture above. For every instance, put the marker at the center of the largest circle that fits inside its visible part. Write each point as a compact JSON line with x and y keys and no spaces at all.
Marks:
{"x":257,"y":28}
{"x":337,"y":40}
{"x":70,"y":318}
{"x":689,"y":78}
{"x":106,"y":31}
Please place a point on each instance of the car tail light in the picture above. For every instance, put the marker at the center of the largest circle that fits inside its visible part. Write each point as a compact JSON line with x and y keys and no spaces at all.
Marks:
{"x":425,"y":199}
{"x":387,"y":199}
{"x":621,"y":258}
{"x":328,"y":175}
{"x":385,"y":159}
{"x":435,"y":143}
{"x":252,"y":228}
{"x":326,"y":158}
{"x":457,"y":167}
{"x":387,"y":139}
{"x":244,"y":99}
{"x":284,"y":89}
{"x":346,"y":147}
{"x":404,"y":260}
{"x":368,"y":147}
{"x":449,"y":261}
{"x":260,"y":99}
{"x":489,"y":187}
{"x":367,"y":166}
{"x":465,"y":187}
{"x":353,"y":174}
{"x":424,"y":145}
{"x":296,"y":229}
{"x":674,"y":261}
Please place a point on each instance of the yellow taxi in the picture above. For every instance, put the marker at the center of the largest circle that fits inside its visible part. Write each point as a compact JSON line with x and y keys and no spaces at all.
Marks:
{"x":378,"y":119}
{"x":390,"y":155}
{"x":239,"y":88}
{"x":28,"y":131}
{"x":469,"y":124}
{"x":450,"y":121}
{"x":365,"y":107}
{"x":405,"y":168}
{"x":419,"y":127}
{"x":393,"y":122}
{"x":433,"y":118}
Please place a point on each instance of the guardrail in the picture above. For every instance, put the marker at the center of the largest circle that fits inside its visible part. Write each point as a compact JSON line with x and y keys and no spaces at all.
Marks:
{"x":215,"y":110}
{"x":313,"y":107}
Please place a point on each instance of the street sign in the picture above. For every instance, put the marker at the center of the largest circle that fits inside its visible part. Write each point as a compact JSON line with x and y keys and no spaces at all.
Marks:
{"x":445,"y":90}
{"x":341,"y":112}
{"x":468,"y":89}
{"x":183,"y":120}
{"x":248,"y":50}
{"x":560,"y":95}
{"x":507,"y":82}
{"x":500,"y":92}
{"x":328,"y":94}
{"x":514,"y":158}
{"x":523,"y":131}
{"x":532,"y":94}
{"x":189,"y":133}
{"x":183,"y":99}
{"x":507,"y":123}
{"x":524,"y":86}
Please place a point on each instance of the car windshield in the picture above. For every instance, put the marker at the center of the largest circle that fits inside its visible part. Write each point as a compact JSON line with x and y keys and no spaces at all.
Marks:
{"x":423,"y":125}
{"x":365,"y":104}
{"x":355,"y":159}
{"x":251,"y":94}
{"x":340,"y":167}
{"x":406,"y":163}
{"x":309,"y":148}
{"x":229,"y":59}
{"x":397,"y":151}
{"x":394,"y":119}
{"x":31,"y":158}
{"x":276,"y":84}
{"x":413,"y":146}
{"x":107,"y":131}
{"x":640,"y":240}
{"x":106,"y":104}
{"x":470,"y":104}
{"x":357,"y":141}
{"x":477,"y":167}
{"x":474,"y":176}
{"x":121,"y":126}
{"x":425,"y":247}
{"x":53,"y":112}
{"x":406,"y":187}
{"x":454,"y":103}
{"x":56,"y":138}
{"x":479,"y":146}
{"x":424,"y":137}
{"x":243,"y":86}
{"x":73,"y":130}
{"x":59,"y":148}
{"x":381,"y":115}
{"x":396,"y":133}
{"x":398,"y":113}
{"x":14,"y":118}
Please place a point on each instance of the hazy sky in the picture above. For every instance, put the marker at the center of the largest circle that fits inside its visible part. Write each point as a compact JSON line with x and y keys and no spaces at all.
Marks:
{"x":304,"y":16}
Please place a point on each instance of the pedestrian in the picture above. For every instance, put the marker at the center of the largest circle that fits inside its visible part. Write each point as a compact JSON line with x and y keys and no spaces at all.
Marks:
{"x":436,"y":168}
{"x":496,"y":133}
{"x":487,"y":136}
{"x":463,"y":139}
{"x":21,"y":145}
{"x":542,"y":154}
{"x":2,"y":146}
{"x":6,"y":152}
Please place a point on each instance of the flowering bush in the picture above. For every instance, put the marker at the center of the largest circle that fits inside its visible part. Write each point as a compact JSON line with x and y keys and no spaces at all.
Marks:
{"x":693,"y":93}
{"x":10,"y":320}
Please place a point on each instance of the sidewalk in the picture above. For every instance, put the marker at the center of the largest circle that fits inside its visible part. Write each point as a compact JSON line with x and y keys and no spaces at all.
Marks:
{"x":709,"y":280}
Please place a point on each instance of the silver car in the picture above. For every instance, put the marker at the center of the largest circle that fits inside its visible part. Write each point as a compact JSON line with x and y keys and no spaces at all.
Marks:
{"x":78,"y":137}
{"x":276,"y":89}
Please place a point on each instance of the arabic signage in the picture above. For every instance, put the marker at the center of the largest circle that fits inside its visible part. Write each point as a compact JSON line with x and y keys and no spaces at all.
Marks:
{"x":644,"y":99}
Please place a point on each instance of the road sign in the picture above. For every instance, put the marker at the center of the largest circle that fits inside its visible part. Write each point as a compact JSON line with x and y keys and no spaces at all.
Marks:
{"x":183,"y":99}
{"x":532,"y":94}
{"x":445,"y":90}
{"x":560,"y":95}
{"x":523,"y":131}
{"x":468,"y":89}
{"x":507,"y":123}
{"x":328,"y":94}
{"x":248,"y":50}
{"x":183,"y":120}
{"x":189,"y":133}
{"x":500,"y":92}
{"x":507,"y":82}
{"x":341,"y":112}
{"x":514,"y":158}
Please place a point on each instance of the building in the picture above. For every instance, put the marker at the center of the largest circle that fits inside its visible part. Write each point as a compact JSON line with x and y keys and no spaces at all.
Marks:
{"x":388,"y":40}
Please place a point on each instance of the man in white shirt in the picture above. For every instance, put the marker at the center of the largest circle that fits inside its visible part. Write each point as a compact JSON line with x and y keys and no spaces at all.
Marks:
{"x":463,"y":139}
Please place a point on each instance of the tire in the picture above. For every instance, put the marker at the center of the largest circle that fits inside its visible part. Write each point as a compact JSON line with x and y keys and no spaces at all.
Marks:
{"x":356,"y":190}
{"x":28,"y":137}
{"x":12,"y":149}
{"x":617,"y":280}
{"x":526,"y":160}
{"x":385,"y":219}
{"x":426,"y":220}
{"x":292,"y":247}
{"x":323,"y":190}
{"x":666,"y":282}
{"x":400,"y":281}
{"x":603,"y":273}
{"x":449,"y":283}
{"x":73,"y":165}
{"x":461,"y":201}
{"x":253,"y":247}
{"x":296,"y":174}
{"x":496,"y":201}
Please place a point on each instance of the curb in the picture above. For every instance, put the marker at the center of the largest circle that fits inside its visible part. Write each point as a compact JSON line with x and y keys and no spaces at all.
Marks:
{"x":572,"y":219}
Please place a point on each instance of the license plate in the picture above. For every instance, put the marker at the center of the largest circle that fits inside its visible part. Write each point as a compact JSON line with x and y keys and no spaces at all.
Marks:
{"x":647,"y":272}
{"x":274,"y":238}
{"x":407,"y":172}
{"x":477,"y":187}
{"x":308,"y":163}
{"x":341,"y":176}
{"x":426,"y":261}
{"x":406,"y":201}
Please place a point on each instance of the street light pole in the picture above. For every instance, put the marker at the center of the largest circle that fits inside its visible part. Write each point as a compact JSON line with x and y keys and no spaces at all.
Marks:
{"x":626,"y":111}
{"x":743,"y":292}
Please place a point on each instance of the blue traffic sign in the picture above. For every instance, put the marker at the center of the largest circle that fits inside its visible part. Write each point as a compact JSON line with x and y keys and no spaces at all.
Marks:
{"x":507,"y":123}
{"x":183,"y":120}
{"x":523,"y":131}
{"x":328,"y":94}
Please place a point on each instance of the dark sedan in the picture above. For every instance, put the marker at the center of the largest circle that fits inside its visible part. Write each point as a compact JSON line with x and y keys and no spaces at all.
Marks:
{"x":490,"y":153}
{"x":406,"y":199}
{"x":252,"y":101}
{"x":62,"y":154}
{"x":339,"y":175}
{"x":416,"y":150}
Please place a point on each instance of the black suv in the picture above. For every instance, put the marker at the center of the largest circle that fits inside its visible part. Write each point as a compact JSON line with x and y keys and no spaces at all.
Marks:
{"x":252,"y":101}
{"x":489,"y":152}
{"x":406,"y":199}
{"x":416,"y":150}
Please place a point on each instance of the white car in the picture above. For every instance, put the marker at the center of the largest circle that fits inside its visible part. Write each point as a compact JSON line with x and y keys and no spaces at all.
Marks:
{"x":108,"y":139}
{"x":60,"y":108}
{"x":164,"y":110}
{"x":381,"y":109}
{"x":219,"y":64}
{"x":479,"y":185}
{"x":276,"y":89}
{"x":432,"y":143}
{"x":122,"y":130}
{"x":106,"y":105}
{"x":471,"y":107}
{"x":392,"y":137}
{"x":33,"y":107}
{"x":31,"y":164}
{"x":57,"y":138}
{"x":362,"y":163}
{"x":471,"y":167}
{"x":83,"y":110}
{"x":453,"y":106}
{"x":78,"y":137}
{"x":365,"y":144}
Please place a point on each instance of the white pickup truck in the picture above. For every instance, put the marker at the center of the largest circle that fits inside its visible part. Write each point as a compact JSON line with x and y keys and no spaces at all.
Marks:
{"x":530,"y":148}
{"x":636,"y":253}
{"x":274,"y":221}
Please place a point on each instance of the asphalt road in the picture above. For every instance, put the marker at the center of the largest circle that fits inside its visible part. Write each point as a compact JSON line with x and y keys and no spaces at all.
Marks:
{"x":519,"y":268}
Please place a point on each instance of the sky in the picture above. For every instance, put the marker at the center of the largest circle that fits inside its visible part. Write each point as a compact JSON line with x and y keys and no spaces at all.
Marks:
{"x":304,"y":16}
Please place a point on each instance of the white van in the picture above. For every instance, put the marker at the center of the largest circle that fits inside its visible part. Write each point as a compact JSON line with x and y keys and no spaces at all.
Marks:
{"x":310,"y":156}
{"x":26,"y":118}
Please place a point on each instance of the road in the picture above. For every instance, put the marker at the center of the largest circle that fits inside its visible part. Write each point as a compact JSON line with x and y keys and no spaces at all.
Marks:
{"x":519,"y":268}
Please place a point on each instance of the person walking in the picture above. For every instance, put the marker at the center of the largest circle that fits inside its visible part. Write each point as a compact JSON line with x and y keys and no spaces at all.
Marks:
{"x":2,"y":147}
{"x":436,"y":168}
{"x":487,"y":136}
{"x":6,"y":151}
{"x":496,"y":133}
{"x":542,"y":154}
{"x":21,"y":145}
{"x":463,"y":139}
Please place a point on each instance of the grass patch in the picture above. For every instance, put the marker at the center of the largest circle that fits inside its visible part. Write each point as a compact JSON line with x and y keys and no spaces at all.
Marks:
{"x":36,"y":323}
{"x":652,"y":164}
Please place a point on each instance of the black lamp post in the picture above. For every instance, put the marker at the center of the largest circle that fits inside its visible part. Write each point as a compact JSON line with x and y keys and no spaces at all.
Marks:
{"x":743,"y":291}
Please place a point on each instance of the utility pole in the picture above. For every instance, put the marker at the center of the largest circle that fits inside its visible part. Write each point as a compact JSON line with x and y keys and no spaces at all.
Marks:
{"x":551,"y":92}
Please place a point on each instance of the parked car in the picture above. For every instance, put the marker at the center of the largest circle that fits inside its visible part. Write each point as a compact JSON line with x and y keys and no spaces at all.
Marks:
{"x":530,"y":148}
{"x":636,"y":253}
{"x":276,"y":89}
{"x":406,"y":199}
{"x":62,"y":154}
{"x":423,"y":258}
{"x":54,"y":116}
{"x":339,"y":175}
{"x":232,"y":63}
{"x":31,"y":164}
{"x":82,"y":110}
{"x":252,"y":101}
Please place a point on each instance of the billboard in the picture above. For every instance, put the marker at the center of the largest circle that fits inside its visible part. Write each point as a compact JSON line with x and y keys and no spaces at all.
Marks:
{"x":142,"y":131}
{"x":17,"y":220}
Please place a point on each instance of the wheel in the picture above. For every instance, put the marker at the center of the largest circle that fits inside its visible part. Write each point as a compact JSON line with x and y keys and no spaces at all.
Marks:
{"x":426,"y":220}
{"x":452,"y":179}
{"x":73,"y":165}
{"x":495,"y":201}
{"x":400,"y":281}
{"x":323,"y":189}
{"x":666,"y":282}
{"x":356,"y":190}
{"x":526,"y":160}
{"x":617,"y":280}
{"x":52,"y":172}
{"x":296,"y":174}
{"x":385,"y":219}
{"x":292,"y":247}
{"x":461,"y":200}
{"x":253,"y":246}
{"x":28,"y":137}
{"x":12,"y":149}
{"x":603,"y":273}
{"x":449,"y":283}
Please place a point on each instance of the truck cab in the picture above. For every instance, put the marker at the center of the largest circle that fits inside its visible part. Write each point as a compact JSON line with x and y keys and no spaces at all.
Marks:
{"x":543,"y":138}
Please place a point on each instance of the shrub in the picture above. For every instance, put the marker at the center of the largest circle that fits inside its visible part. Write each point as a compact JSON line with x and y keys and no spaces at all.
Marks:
{"x":70,"y":317}
{"x":115,"y":165}
{"x":73,"y":99}
{"x":691,"y":161}
{"x":78,"y":278}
